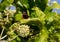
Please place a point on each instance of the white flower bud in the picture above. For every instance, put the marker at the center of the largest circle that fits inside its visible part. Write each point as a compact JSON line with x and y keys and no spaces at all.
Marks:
{"x":23,"y":30}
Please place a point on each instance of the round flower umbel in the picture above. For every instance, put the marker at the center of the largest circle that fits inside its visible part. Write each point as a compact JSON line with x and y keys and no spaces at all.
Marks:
{"x":23,"y":30}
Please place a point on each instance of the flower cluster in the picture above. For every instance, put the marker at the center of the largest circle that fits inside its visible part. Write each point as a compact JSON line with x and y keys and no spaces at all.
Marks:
{"x":21,"y":30}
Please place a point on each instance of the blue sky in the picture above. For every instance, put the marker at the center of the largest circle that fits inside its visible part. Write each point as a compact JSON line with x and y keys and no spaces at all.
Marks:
{"x":0,"y":0}
{"x":56,"y":0}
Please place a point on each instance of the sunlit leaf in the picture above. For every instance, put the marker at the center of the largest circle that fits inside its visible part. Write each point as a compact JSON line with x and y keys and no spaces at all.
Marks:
{"x":25,"y":3}
{"x":10,"y":1}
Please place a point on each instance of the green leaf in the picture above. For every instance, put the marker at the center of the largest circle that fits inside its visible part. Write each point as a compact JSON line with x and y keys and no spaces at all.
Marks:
{"x":41,"y":4}
{"x":3,"y":5}
{"x":10,"y":1}
{"x":18,"y":16}
{"x":39,"y":13}
{"x":42,"y":36}
{"x":25,"y":3}
{"x":13,"y":41}
{"x":33,"y":14}
{"x":48,"y":10}
{"x":18,"y":39}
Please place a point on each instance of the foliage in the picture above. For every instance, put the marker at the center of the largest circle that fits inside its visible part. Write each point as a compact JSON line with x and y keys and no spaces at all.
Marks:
{"x":30,"y":21}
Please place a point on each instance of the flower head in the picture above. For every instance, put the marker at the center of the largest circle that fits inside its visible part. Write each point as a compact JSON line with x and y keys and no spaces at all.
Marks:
{"x":23,"y":30}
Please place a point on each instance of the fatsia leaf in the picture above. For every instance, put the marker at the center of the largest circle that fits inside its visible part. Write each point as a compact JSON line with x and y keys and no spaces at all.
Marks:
{"x":39,"y":13}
